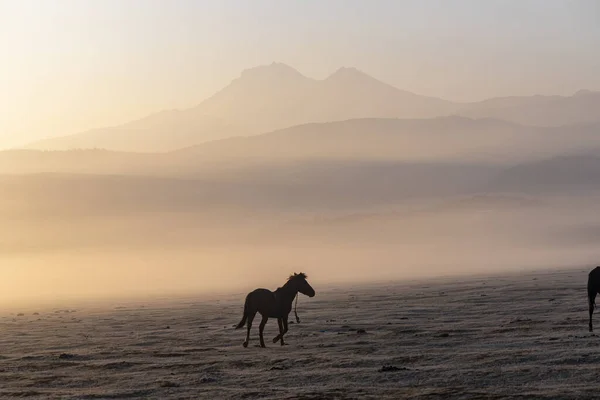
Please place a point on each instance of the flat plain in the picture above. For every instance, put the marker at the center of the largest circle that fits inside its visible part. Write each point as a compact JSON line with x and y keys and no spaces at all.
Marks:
{"x":493,"y":337}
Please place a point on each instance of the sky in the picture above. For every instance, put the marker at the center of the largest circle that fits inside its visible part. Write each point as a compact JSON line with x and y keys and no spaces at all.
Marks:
{"x":72,"y":65}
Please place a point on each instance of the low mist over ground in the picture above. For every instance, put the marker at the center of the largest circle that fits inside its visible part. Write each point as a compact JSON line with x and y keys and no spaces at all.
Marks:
{"x":69,"y":235}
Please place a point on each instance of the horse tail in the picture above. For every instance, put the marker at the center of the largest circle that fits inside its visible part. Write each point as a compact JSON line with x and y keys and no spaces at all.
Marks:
{"x":245,"y":317}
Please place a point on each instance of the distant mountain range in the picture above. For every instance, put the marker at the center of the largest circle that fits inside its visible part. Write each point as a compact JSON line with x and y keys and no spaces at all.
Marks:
{"x":275,"y":97}
{"x":336,"y":166}
{"x":581,"y":108}
{"x":441,"y":139}
{"x":444,"y":140}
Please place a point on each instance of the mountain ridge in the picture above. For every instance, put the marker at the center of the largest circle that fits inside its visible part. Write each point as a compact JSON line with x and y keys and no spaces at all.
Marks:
{"x":452,"y":139}
{"x":276,"y":96}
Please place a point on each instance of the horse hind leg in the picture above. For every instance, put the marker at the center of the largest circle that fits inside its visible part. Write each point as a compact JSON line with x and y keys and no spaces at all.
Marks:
{"x":250,"y":319}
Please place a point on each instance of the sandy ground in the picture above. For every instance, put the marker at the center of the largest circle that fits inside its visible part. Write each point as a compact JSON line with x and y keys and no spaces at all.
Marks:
{"x":513,"y":336}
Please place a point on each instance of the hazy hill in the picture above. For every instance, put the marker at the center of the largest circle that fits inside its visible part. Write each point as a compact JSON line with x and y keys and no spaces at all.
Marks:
{"x":564,"y":174}
{"x":289,"y":187}
{"x":159,"y":132}
{"x":93,"y":161}
{"x":316,"y":186}
{"x":581,"y":108}
{"x":444,"y":139}
{"x":440,"y":140}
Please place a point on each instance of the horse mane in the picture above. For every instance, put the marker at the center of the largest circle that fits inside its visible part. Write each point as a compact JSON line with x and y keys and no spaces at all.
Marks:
{"x":300,"y":275}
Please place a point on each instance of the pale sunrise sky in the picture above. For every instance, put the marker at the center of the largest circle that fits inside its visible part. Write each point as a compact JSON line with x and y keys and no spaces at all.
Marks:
{"x":72,"y":65}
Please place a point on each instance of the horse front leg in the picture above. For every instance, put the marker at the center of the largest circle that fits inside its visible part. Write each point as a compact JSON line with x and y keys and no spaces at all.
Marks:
{"x":591,"y":300}
{"x":280,"y":336}
{"x":285,"y":328}
{"x":261,"y":329}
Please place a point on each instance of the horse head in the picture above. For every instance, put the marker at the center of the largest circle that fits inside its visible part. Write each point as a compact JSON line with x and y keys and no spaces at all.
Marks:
{"x":301,"y":284}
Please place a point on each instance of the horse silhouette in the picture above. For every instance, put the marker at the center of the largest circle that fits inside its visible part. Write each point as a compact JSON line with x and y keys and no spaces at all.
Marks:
{"x":277,"y":304}
{"x":593,"y":288}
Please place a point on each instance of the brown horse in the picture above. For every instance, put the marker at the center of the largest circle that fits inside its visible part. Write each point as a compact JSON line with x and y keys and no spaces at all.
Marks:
{"x":593,"y":288}
{"x":276,"y":304}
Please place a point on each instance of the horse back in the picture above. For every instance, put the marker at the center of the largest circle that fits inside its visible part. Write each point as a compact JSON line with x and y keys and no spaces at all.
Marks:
{"x":267,"y":303}
{"x":260,"y":292}
{"x":261,"y":299}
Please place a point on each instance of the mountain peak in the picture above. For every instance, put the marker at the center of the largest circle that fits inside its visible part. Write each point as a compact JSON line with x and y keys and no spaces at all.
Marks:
{"x":346,"y":73}
{"x":275,"y":70}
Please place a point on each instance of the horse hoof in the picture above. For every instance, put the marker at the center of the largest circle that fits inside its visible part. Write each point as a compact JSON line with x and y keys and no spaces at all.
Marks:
{"x":275,"y":339}
{"x":245,"y":344}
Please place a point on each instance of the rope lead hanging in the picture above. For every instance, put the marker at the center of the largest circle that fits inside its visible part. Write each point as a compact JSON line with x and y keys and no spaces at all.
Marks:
{"x":295,"y":309}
